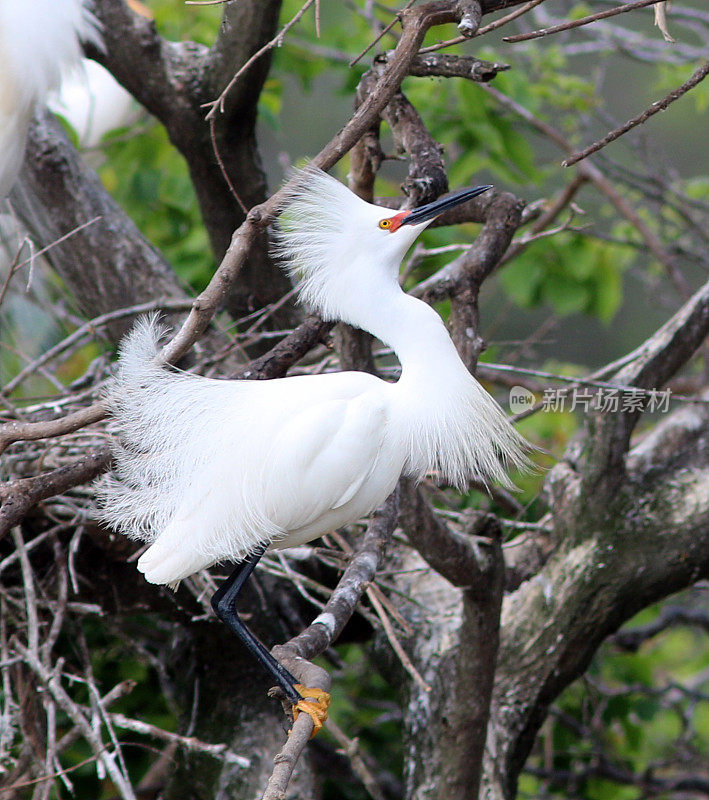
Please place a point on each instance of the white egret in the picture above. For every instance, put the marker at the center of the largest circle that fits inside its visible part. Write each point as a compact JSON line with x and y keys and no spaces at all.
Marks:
{"x":39,"y":41}
{"x":215,"y":470}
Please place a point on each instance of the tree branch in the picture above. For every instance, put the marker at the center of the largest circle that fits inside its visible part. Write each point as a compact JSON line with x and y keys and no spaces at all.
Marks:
{"x":19,"y":496}
{"x":614,"y":559}
{"x":660,"y":105}
{"x":650,"y":366}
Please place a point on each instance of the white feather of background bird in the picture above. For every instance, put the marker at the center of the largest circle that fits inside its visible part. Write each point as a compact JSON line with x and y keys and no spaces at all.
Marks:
{"x":39,"y":42}
{"x":210,"y":470}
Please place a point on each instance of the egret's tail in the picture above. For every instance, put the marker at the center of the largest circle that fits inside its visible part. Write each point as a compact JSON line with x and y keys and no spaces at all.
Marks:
{"x":135,"y":499}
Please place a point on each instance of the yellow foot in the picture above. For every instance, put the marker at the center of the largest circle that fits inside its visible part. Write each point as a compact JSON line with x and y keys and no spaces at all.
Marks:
{"x":315,"y":704}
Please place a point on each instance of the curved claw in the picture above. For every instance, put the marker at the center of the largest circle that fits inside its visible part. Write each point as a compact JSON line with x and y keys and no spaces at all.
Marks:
{"x":315,"y":703}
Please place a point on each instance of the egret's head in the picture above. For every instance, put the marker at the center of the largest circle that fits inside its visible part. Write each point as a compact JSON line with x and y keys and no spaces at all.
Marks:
{"x":334,"y":243}
{"x":407,"y":225}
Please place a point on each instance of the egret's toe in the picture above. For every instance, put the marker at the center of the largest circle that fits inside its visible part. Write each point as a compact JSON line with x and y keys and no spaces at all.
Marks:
{"x":315,"y":704}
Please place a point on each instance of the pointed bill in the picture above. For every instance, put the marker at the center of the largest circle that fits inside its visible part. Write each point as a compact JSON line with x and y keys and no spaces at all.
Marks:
{"x":431,"y":210}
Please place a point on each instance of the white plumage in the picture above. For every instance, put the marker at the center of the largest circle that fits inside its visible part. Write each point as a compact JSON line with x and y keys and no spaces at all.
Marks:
{"x":39,"y":41}
{"x":209,"y":470}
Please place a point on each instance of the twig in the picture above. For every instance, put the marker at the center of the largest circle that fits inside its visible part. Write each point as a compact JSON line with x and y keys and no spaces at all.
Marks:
{"x":351,"y":749}
{"x":220,"y":162}
{"x":498,"y":23}
{"x":697,"y":77}
{"x":218,"y":104}
{"x":89,"y":328}
{"x":382,"y":33}
{"x":590,"y":381}
{"x":394,"y":642}
{"x":547,"y":217}
{"x":30,"y":594}
{"x":576,"y":23}
{"x":189,"y":743}
{"x":15,"y":267}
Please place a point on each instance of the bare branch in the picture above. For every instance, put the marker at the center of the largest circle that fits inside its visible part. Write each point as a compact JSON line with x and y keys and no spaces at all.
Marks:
{"x":19,"y":496}
{"x":576,"y":23}
{"x":498,"y":23}
{"x":697,"y":77}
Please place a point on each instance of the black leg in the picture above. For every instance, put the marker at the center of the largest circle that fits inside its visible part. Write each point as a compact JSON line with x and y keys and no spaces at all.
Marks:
{"x":224,"y":605}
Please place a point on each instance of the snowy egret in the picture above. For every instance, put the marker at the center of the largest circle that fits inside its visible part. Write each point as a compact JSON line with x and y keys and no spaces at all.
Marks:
{"x":39,"y":42}
{"x":215,"y":470}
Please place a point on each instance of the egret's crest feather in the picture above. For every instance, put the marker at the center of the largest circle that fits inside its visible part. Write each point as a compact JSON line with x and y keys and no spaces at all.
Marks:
{"x":316,"y":236}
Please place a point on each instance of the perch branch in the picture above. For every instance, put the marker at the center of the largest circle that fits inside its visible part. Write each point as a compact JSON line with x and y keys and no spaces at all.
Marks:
{"x":296,"y":653}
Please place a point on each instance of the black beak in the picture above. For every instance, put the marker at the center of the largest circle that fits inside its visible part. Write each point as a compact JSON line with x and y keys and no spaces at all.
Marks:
{"x":431,"y":210}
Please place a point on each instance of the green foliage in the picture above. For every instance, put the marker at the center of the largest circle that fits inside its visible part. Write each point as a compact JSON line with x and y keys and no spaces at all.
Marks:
{"x":670,"y":76}
{"x":177,"y":21}
{"x":570,"y":272}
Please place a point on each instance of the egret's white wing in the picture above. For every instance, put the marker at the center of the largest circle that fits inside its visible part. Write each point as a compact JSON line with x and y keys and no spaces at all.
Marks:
{"x":321,"y":458}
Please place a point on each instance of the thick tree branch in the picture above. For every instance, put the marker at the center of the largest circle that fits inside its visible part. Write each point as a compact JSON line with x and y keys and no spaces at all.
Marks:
{"x":173,"y":81}
{"x":617,"y":555}
{"x":57,"y":193}
{"x":447,"y":66}
{"x":650,"y":366}
{"x":453,"y":555}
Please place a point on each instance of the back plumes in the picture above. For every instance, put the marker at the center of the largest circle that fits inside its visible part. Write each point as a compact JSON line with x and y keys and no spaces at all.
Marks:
{"x":39,"y":41}
{"x":132,"y":500}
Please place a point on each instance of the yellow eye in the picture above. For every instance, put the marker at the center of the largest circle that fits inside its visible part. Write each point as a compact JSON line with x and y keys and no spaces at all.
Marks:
{"x":385,"y":223}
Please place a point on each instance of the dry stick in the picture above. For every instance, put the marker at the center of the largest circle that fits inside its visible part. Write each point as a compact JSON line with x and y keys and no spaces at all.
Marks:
{"x":394,"y":642}
{"x":697,"y":77}
{"x":547,"y":217}
{"x":352,"y":751}
{"x":593,"y":174}
{"x":189,"y":743}
{"x":565,"y":26}
{"x":222,"y":166}
{"x":498,"y":23}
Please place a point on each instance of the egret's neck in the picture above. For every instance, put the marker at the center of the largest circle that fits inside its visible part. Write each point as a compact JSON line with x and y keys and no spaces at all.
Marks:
{"x":412,"y":329}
